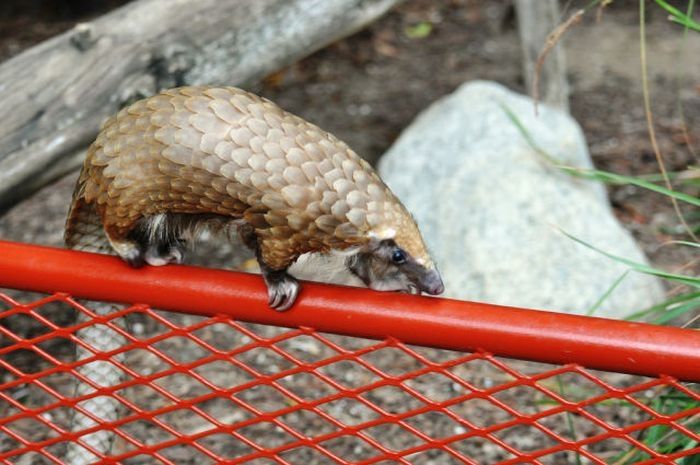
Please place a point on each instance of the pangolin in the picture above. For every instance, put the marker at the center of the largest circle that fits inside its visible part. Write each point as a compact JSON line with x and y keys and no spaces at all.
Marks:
{"x":192,"y":157}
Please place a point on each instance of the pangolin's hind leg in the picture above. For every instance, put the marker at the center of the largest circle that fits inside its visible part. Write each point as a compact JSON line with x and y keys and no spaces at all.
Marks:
{"x":130,"y":250}
{"x":160,"y":238}
{"x":164,"y":253}
{"x":282,"y":288}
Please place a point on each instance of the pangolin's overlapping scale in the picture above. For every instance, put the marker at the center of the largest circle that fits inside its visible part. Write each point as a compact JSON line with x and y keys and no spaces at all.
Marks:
{"x":226,"y":151}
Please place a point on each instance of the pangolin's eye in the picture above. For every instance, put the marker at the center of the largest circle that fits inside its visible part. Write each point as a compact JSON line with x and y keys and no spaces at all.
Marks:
{"x":398,"y":256}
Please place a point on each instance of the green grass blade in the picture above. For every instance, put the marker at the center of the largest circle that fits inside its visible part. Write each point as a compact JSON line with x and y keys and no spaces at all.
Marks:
{"x":678,"y":16}
{"x":688,"y":243}
{"x":604,"y":176}
{"x":612,"y":178}
{"x":640,"y":267}
{"x":527,"y":136}
{"x":569,"y":420}
{"x":688,"y":176}
{"x":678,"y":311}
{"x":665,"y":306}
{"x":607,"y":293}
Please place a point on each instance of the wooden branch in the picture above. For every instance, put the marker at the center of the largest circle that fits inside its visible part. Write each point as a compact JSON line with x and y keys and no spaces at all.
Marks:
{"x":55,"y":95}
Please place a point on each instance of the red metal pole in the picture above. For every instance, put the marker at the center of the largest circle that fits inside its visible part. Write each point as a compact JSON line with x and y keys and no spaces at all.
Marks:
{"x":596,"y":343}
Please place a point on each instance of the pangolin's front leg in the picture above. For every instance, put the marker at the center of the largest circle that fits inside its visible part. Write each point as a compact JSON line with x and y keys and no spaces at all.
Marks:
{"x":282,"y":288}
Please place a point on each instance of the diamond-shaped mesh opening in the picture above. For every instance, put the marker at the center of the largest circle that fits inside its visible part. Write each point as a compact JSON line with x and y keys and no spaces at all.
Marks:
{"x":61,"y":417}
{"x":142,"y":459}
{"x":482,"y":374}
{"x":223,"y":410}
{"x":24,"y":325}
{"x":667,"y":439}
{"x":565,"y":458}
{"x":181,"y":349}
{"x":182,"y":386}
{"x":571,"y":426}
{"x":196,"y":390}
{"x":526,"y":400}
{"x":144,"y":326}
{"x":348,"y":343}
{"x":223,"y":374}
{"x":30,"y":458}
{"x":264,"y":361}
{"x":573,"y":387}
{"x":349,"y":412}
{"x":182,"y":454}
{"x":392,"y":399}
{"x":100,"y":337}
{"x":32,"y":396}
{"x":437,"y":425}
{"x":616,"y":450}
{"x":61,"y":348}
{"x":31,"y":429}
{"x":58,"y":312}
{"x":392,"y":361}
{"x":351,"y":448}
{"x":226,"y":446}
{"x":146,"y":362}
{"x":662,"y":400}
{"x":179,"y":320}
{"x":436,"y":387}
{"x":222,"y":336}
{"x":307,"y":386}
{"x":146,"y":432}
{"x":27,"y":361}
{"x":266,"y":435}
{"x":306,"y":455}
{"x":349,"y":374}
{"x":481,"y":450}
{"x":145,"y":397}
{"x":265,"y":398}
{"x":185,"y":421}
{"x":618,"y":413}
{"x":434,"y":456}
{"x":307,"y":423}
{"x":481,"y":412}
{"x":306,"y":349}
{"x":256,"y":331}
{"x":525,"y":438}
{"x":394,"y":436}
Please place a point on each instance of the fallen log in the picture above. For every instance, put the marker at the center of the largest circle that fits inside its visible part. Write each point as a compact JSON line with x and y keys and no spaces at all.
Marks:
{"x":55,"y":95}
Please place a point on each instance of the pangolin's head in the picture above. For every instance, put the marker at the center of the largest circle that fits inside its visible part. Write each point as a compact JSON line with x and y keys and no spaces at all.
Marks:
{"x":395,"y":258}
{"x":389,"y":255}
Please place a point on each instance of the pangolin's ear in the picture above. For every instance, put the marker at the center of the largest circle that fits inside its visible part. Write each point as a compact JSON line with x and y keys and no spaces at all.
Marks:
{"x":359,"y":265}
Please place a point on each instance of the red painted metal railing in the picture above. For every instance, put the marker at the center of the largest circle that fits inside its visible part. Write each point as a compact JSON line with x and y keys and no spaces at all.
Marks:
{"x":346,"y":376}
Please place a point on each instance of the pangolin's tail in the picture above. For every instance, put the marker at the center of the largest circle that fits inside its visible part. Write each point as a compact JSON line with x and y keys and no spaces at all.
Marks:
{"x":84,"y":232}
{"x":83,"y":229}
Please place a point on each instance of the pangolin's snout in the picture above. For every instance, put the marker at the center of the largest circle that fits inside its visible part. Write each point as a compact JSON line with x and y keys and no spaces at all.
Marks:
{"x":432,"y":283}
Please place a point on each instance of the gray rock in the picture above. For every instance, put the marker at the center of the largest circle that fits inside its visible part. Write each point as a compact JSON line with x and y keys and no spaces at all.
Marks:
{"x":490,"y":207}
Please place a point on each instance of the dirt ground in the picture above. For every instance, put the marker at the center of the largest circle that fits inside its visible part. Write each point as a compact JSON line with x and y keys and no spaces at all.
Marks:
{"x":367,"y":88}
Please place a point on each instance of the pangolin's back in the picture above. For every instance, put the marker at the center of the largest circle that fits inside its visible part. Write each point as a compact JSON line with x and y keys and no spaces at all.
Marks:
{"x":229,"y":152}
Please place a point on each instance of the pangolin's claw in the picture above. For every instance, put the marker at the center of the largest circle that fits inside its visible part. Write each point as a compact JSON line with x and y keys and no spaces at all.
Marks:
{"x":135,"y":260}
{"x":282,"y":290}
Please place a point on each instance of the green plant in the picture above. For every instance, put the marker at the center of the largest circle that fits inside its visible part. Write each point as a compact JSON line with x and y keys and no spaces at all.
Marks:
{"x":662,"y":438}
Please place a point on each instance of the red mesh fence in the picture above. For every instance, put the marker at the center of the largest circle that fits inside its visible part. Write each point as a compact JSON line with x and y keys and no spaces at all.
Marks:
{"x":226,"y":380}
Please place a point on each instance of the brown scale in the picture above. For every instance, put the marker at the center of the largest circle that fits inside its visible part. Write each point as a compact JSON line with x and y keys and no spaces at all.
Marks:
{"x":225,"y":151}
